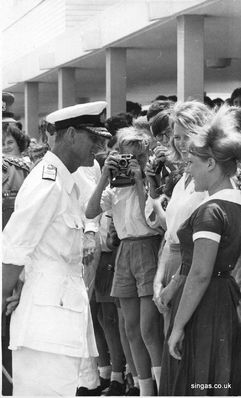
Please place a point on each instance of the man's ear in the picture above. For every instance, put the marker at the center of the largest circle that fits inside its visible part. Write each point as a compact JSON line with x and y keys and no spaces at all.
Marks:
{"x":70,"y":135}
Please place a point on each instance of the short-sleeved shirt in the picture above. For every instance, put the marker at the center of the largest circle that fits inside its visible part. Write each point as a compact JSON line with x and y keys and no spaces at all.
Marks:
{"x":183,"y":202}
{"x":45,"y":235}
{"x":127,"y":217}
{"x":217,"y":218}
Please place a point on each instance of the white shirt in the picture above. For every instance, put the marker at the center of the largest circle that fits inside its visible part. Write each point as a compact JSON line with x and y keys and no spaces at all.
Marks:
{"x":183,"y":202}
{"x":45,"y":234}
{"x":126,"y":211}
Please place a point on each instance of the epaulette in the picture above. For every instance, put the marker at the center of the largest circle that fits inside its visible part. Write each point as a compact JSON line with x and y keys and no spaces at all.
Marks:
{"x":18,"y":162}
{"x":49,"y":172}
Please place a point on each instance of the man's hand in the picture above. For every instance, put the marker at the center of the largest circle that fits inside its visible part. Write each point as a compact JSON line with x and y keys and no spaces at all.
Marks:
{"x":89,"y":247}
{"x":12,"y":301}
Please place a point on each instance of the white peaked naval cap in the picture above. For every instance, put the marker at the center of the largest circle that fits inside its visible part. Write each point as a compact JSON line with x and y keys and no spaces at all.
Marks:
{"x":86,"y":115}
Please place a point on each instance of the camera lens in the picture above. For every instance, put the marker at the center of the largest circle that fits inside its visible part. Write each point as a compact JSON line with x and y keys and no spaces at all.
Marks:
{"x":123,"y":163}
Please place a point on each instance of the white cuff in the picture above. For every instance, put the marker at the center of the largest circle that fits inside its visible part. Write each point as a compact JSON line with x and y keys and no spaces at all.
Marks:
{"x":91,"y":226}
{"x":206,"y":235}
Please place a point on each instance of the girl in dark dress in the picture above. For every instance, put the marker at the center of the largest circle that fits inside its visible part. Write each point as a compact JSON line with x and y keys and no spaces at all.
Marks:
{"x":202,"y":354}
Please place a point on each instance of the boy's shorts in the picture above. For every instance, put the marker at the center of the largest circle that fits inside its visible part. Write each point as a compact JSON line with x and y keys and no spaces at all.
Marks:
{"x":136,"y":266}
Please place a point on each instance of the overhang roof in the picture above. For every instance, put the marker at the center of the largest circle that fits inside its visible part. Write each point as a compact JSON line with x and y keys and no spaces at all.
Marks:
{"x":147,"y":28}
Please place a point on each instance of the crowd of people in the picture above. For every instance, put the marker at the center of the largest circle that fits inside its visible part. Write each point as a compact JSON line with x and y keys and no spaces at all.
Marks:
{"x":122,"y":251}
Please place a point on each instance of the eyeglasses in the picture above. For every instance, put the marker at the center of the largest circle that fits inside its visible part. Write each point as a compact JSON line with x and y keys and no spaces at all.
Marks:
{"x":161,"y":137}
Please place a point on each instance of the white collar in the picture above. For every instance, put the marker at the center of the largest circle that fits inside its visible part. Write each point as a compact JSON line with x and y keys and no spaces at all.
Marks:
{"x":229,"y":195}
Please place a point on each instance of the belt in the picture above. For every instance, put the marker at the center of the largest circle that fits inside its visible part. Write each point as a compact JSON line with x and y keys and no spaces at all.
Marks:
{"x":221,"y":274}
{"x":133,"y":238}
{"x":217,"y":274}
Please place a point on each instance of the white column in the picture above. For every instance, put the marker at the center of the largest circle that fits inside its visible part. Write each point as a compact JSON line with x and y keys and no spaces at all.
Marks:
{"x":115,"y":80}
{"x":66,"y":87}
{"x":31,"y":108}
{"x":190,"y":57}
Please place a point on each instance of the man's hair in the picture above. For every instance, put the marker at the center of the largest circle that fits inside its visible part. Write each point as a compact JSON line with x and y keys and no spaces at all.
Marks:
{"x":172,"y":98}
{"x":207,"y":101}
{"x":158,"y":106}
{"x":114,"y":123}
{"x":59,"y":134}
{"x":133,"y":107}
{"x":160,"y":98}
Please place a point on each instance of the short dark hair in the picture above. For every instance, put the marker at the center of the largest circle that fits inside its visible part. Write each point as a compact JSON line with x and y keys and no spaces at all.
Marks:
{"x":172,"y":98}
{"x":217,"y":102}
{"x":158,"y":106}
{"x":21,"y":139}
{"x":161,"y":123}
{"x":133,"y":108}
{"x":236,"y":93}
{"x":160,"y":98}
{"x":19,"y":125}
{"x":207,"y":101}
{"x":117,"y":122}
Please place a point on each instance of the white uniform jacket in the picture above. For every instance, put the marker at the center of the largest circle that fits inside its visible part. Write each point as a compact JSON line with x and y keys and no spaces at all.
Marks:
{"x":45,"y":235}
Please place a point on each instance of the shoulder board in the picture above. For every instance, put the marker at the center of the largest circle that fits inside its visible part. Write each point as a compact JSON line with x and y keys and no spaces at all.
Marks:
{"x":16,"y":162}
{"x":49,"y":172}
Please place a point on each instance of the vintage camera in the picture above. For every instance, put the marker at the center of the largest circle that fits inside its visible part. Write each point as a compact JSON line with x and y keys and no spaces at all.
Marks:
{"x":122,"y":177}
{"x":156,"y":165}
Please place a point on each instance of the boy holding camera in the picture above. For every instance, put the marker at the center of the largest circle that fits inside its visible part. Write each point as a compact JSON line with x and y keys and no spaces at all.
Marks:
{"x":136,"y":260}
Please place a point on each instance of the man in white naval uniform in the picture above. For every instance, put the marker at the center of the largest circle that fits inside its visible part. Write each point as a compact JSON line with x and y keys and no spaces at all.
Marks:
{"x":51,"y":334}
